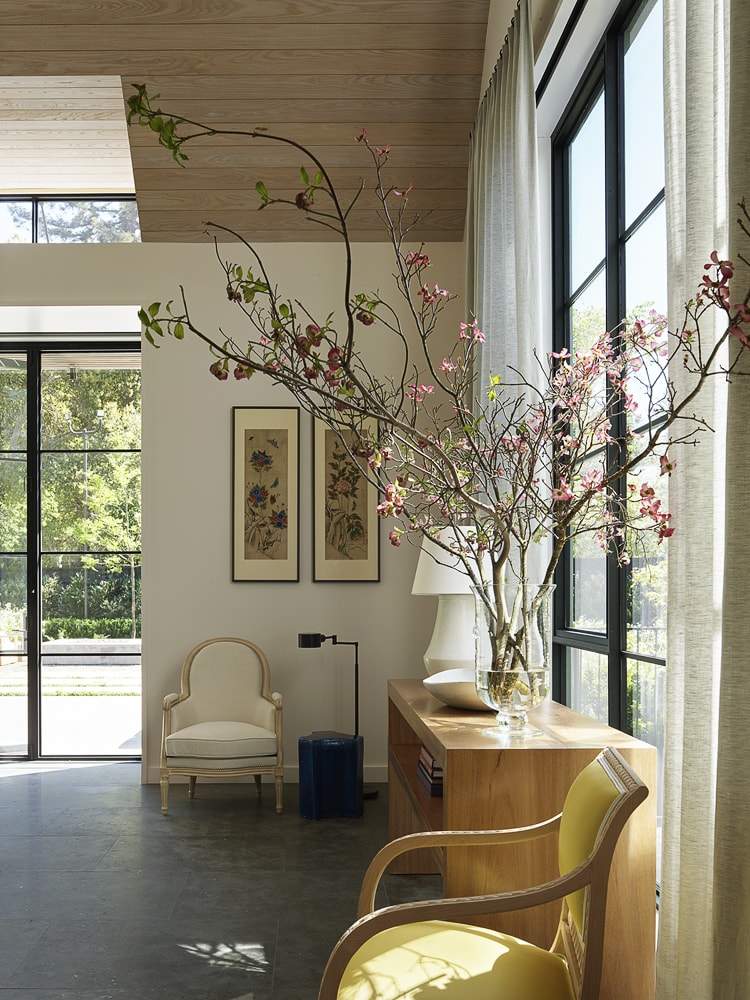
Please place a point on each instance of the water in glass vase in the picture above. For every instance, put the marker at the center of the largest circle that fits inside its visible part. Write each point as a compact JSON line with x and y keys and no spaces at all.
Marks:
{"x":513,"y":693}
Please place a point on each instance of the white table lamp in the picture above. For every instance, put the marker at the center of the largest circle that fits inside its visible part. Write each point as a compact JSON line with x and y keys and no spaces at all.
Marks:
{"x":452,"y":643}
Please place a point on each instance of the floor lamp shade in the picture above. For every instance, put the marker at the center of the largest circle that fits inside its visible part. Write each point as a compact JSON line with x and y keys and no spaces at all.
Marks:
{"x":452,"y":643}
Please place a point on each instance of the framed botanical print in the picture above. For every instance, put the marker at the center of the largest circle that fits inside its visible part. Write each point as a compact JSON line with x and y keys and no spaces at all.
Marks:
{"x":265,"y":493}
{"x":346,"y":539}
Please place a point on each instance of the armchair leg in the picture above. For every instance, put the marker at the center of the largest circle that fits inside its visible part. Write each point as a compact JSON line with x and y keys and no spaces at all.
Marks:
{"x":191,"y":786}
{"x":279,"y":793}
{"x":257,"y":784}
{"x":164,"y":793}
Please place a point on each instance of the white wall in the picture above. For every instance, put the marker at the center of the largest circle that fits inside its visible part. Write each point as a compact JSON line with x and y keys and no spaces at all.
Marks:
{"x":188,"y":594}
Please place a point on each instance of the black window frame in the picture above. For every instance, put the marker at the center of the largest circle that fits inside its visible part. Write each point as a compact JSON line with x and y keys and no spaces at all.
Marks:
{"x":604,"y":73}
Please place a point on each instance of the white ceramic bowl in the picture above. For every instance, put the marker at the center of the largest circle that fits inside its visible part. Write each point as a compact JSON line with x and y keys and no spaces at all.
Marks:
{"x":456,"y":688}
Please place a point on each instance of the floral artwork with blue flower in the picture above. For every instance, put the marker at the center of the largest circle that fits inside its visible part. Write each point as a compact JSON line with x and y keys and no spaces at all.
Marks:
{"x":266,"y":515}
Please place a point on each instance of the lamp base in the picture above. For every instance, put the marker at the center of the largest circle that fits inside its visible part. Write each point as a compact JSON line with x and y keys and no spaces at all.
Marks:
{"x":452,"y":643}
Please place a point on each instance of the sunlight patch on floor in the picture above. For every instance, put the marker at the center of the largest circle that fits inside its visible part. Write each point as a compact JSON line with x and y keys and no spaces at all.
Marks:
{"x":248,"y":956}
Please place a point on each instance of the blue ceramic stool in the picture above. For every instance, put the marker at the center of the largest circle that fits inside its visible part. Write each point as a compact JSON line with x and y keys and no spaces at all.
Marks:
{"x":330,"y":775}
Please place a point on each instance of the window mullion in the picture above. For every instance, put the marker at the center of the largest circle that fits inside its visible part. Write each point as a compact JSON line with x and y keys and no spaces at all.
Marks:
{"x":615,"y":278}
{"x":33,"y":542}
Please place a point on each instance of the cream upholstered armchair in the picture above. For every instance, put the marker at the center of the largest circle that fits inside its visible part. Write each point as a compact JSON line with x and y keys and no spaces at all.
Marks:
{"x":224,"y":721}
{"x":418,"y":950}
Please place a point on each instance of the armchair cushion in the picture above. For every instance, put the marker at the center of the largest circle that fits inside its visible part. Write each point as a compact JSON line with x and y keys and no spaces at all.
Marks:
{"x":414,"y":960}
{"x":221,"y":741}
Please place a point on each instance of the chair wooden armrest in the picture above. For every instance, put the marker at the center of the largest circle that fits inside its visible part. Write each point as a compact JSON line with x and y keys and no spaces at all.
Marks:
{"x":170,"y":700}
{"x":443,"y":838}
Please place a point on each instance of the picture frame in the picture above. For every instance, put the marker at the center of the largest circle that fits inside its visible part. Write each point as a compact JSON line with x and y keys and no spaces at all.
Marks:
{"x":265,"y":494}
{"x":346,"y":535}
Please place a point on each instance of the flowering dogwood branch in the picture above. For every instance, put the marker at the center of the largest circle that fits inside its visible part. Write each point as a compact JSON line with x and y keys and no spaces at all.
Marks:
{"x":540,"y":457}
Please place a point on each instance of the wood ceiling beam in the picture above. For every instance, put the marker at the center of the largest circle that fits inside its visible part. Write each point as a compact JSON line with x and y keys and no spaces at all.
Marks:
{"x":389,"y":13}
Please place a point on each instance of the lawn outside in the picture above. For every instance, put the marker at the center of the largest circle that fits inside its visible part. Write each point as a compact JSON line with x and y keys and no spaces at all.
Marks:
{"x":91,"y":704}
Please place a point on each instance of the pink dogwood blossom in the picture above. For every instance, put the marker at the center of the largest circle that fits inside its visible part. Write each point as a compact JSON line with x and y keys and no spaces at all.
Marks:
{"x":436,"y":293}
{"x":418,"y":392}
{"x":593,"y":479}
{"x":667,"y":465}
{"x":470,"y":331}
{"x":562,"y":492}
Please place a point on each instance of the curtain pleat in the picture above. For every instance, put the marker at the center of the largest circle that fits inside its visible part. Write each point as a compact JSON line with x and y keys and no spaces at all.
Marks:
{"x":731,"y":913}
{"x":704,"y":949}
{"x":502,"y":231}
{"x":503,"y":210}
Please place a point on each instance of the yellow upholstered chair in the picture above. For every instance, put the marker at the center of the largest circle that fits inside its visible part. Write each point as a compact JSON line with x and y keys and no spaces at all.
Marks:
{"x":225,"y":721}
{"x":420,"y":951}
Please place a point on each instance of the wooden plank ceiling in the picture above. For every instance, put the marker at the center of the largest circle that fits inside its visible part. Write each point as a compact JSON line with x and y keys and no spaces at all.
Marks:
{"x":314,"y":70}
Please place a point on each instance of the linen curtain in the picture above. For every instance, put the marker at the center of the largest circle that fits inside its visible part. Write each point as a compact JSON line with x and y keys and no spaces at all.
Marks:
{"x":502,"y":229}
{"x":502,"y":222}
{"x":704,"y":924}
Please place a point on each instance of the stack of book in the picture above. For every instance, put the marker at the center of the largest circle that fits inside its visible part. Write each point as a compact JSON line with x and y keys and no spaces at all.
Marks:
{"x":430,"y":772}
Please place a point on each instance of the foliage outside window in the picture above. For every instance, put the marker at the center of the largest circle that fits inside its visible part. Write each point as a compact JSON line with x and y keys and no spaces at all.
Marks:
{"x":69,"y":220}
{"x":89,"y":498}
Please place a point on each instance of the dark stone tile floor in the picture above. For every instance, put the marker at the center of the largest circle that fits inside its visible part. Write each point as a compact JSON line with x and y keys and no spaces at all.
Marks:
{"x":103,"y":898}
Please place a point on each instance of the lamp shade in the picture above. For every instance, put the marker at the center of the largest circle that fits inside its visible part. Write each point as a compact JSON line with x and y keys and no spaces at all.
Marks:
{"x":311,"y":640}
{"x":439,"y":572}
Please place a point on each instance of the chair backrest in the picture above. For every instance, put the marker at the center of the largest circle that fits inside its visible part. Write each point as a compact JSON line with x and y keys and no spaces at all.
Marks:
{"x":597,"y":806}
{"x":225,"y":678}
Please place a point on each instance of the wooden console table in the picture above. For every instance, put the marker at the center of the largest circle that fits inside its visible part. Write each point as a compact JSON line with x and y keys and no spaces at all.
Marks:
{"x":492,"y":782}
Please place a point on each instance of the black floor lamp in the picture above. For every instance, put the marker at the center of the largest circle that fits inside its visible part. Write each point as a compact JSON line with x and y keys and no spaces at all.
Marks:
{"x":314,"y":640}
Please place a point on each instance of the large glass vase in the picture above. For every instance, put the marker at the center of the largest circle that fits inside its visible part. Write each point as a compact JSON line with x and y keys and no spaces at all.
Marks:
{"x":513,"y":653}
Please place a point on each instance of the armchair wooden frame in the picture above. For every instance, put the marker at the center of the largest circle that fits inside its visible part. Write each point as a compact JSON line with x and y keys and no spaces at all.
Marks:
{"x":582,"y":947}
{"x":274,"y":767}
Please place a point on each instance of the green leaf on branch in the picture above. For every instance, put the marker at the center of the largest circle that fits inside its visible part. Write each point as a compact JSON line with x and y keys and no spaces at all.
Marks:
{"x":178,"y":331}
{"x":305,"y":176}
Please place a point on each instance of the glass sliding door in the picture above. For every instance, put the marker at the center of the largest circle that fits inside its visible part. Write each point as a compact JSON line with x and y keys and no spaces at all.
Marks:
{"x":14,"y":676}
{"x":82,"y":554}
